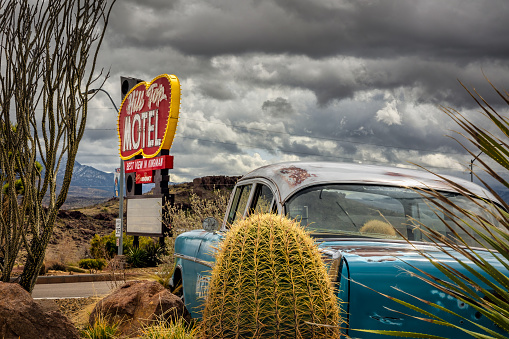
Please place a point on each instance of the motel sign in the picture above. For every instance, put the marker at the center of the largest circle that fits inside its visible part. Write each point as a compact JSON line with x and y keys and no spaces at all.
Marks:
{"x":147,"y":122}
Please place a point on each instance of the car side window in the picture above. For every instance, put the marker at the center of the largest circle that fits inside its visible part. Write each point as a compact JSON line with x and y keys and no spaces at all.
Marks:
{"x":262,"y":199}
{"x":239,"y":203}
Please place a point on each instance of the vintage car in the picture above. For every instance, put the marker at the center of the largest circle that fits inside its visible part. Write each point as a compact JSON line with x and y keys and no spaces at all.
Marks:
{"x":337,"y":202}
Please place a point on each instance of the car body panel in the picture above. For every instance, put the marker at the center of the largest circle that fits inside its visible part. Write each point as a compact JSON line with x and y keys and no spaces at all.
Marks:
{"x":194,"y":258}
{"x":372,"y":268}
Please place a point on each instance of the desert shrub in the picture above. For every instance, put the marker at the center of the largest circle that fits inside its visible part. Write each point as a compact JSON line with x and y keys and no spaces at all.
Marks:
{"x":378,"y":227}
{"x":183,"y":220}
{"x":99,"y":248}
{"x":269,"y":281}
{"x":165,"y":330}
{"x":56,"y":266}
{"x":72,"y":268}
{"x":92,"y":264}
{"x":101,"y":329}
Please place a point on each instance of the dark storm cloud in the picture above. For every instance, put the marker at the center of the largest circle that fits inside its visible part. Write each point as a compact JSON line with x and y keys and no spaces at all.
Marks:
{"x":341,"y":78}
{"x":426,"y":45}
{"x":216,"y":90}
{"x":292,"y":79}
{"x":103,"y":135}
{"x":459,"y":29}
{"x":278,"y":107}
{"x":217,"y":146}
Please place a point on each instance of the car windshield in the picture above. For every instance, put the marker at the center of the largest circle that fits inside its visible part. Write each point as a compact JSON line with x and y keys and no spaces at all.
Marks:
{"x":375,"y":211}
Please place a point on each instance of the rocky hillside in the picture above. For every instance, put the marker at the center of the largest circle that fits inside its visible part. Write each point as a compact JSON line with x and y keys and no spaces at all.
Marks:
{"x":84,"y":176}
{"x":88,"y":186}
{"x":76,"y":226}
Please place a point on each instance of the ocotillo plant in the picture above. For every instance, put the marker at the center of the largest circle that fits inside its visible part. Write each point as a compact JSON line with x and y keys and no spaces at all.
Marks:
{"x":269,"y":281}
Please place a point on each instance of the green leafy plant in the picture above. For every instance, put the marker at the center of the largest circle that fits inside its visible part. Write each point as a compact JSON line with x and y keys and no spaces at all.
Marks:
{"x":136,"y":257}
{"x":105,"y":247}
{"x":482,"y":240}
{"x":269,"y":281}
{"x":148,"y":254}
{"x":154,"y":253}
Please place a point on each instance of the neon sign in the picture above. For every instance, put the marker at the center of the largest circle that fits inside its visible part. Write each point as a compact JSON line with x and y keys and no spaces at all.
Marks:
{"x":148,"y":117}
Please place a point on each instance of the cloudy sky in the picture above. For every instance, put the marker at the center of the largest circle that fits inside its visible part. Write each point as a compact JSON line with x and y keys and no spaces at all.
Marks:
{"x":277,"y":80}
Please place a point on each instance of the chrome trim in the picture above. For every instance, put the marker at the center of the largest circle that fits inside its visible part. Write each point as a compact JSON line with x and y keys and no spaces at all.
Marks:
{"x":196,"y":260}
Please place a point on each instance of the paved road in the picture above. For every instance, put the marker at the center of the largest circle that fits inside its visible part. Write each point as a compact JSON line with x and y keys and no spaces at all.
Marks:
{"x":72,"y":290}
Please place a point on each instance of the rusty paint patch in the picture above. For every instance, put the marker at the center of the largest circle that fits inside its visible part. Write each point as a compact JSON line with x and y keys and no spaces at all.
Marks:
{"x":397,"y":174}
{"x":294,"y":175}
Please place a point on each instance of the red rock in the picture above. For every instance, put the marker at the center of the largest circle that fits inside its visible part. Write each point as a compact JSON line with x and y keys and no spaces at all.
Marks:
{"x":21,"y":317}
{"x":139,"y":303}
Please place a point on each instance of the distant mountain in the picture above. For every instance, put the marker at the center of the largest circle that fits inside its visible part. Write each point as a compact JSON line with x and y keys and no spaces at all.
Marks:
{"x":89,"y":182}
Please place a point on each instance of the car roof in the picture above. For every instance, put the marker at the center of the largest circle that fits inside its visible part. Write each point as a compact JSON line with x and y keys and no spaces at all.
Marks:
{"x":290,"y":177}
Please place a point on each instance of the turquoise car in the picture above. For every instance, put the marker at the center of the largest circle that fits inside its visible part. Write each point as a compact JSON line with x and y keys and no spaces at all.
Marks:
{"x":347,"y":208}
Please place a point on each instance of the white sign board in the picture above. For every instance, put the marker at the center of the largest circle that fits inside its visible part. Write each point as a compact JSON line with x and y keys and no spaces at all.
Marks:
{"x":118,"y":228}
{"x":144,"y":216}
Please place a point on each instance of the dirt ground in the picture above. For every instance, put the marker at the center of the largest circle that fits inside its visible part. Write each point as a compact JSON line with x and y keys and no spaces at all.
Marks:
{"x":76,"y":309}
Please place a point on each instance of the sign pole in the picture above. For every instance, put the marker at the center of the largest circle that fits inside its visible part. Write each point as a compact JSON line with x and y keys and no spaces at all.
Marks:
{"x":121,"y":208}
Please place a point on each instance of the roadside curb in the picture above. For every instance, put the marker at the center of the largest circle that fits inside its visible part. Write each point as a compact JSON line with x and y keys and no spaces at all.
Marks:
{"x":76,"y":278}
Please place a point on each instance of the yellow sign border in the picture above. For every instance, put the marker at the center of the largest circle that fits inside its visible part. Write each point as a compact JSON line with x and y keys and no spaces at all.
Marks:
{"x":171,"y":126}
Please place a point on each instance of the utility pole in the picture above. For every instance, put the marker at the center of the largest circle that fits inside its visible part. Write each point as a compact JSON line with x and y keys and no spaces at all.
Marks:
{"x":472,"y":166}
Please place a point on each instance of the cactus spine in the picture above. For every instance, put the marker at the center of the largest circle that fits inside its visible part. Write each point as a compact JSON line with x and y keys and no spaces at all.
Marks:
{"x":269,"y":281}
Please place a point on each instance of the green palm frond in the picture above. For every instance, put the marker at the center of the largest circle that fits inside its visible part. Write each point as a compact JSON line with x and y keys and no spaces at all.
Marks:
{"x":481,"y":284}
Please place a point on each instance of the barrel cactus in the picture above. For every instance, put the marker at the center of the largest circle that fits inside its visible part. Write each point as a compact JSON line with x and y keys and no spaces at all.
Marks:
{"x":269,"y":281}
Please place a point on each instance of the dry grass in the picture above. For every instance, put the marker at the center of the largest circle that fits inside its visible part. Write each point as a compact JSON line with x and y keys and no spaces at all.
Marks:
{"x":65,"y":252}
{"x":378,"y":227}
{"x":77,"y":309}
{"x":187,"y":220}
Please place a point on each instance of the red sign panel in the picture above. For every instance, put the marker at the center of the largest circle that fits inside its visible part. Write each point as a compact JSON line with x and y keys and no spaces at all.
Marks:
{"x":144,"y":165}
{"x":148,"y":117}
{"x":144,"y":177}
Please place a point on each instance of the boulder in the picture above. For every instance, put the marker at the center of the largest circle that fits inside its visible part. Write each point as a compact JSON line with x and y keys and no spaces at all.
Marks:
{"x":21,"y":317}
{"x":139,"y":303}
